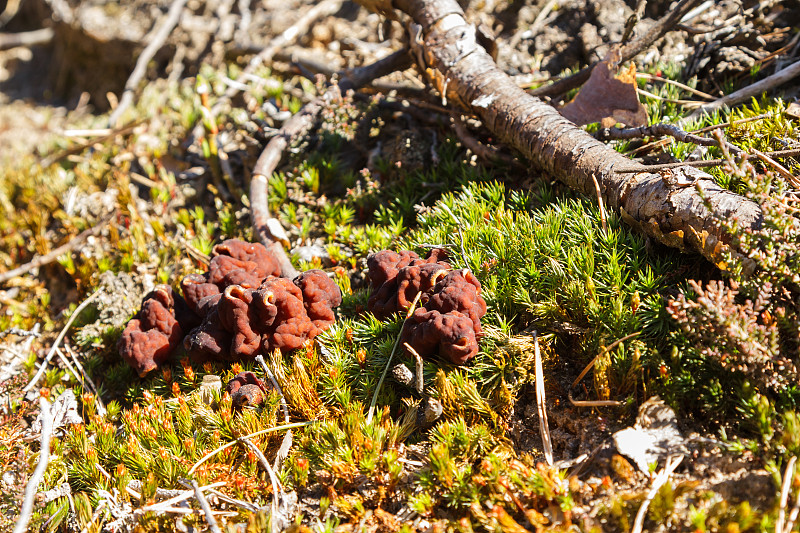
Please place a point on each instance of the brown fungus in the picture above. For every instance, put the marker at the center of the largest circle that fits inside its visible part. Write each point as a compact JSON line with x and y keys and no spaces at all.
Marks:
{"x":266,"y":263}
{"x":320,"y":296}
{"x":459,"y":291}
{"x":247,"y":389}
{"x":149,"y":339}
{"x":451,"y":335}
{"x":397,"y":278}
{"x":292,"y":326}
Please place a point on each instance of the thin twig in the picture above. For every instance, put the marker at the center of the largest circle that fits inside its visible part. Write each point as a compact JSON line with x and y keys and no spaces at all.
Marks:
{"x":57,"y":342}
{"x":185,"y":495}
{"x":51,"y":256}
{"x":650,"y":77}
{"x":212,"y":453}
{"x":707,"y":163}
{"x":26,"y":38}
{"x":101,"y":408}
{"x":664,"y":142}
{"x":419,"y":379}
{"x":293,"y":128}
{"x":321,"y":9}
{"x":788,"y":475}
{"x":44,"y":457}
{"x":374,"y":401}
{"x":156,"y":38}
{"x":544,"y":426}
{"x":604,"y":350}
{"x":212,"y":522}
{"x":277,"y":488}
{"x":659,"y":481}
{"x":627,"y":52}
{"x":283,"y":451}
{"x":746,"y":93}
{"x":124,"y":130}
{"x":777,"y":166}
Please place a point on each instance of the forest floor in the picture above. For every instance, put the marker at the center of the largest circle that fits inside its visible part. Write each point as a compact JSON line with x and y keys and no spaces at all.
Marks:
{"x":670,"y":387}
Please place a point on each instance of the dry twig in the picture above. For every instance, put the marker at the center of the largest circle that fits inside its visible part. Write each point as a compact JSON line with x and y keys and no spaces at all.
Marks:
{"x":51,"y":256}
{"x":44,"y":457}
{"x":746,"y":93}
{"x":58,"y":340}
{"x":659,"y":481}
{"x":298,"y":125}
{"x":627,"y":52}
{"x":212,"y":522}
{"x":170,"y":20}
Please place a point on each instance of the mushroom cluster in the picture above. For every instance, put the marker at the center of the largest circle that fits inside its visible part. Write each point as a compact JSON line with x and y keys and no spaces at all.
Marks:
{"x":237,"y":309}
{"x":448,"y":321}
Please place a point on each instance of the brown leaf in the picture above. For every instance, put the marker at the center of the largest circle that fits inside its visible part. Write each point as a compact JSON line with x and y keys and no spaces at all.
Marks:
{"x":608,"y":99}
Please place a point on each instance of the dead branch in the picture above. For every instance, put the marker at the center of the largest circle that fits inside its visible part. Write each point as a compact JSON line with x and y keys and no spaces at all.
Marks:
{"x":667,"y":23}
{"x":170,"y":20}
{"x":746,"y":93}
{"x":657,"y":130}
{"x":26,"y":38}
{"x":707,"y":163}
{"x":322,"y":9}
{"x":294,"y":128}
{"x":666,"y":206}
{"x":44,"y":457}
{"x":49,"y":257}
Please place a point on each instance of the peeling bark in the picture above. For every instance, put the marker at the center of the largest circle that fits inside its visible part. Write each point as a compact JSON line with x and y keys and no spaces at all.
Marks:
{"x":668,"y":206}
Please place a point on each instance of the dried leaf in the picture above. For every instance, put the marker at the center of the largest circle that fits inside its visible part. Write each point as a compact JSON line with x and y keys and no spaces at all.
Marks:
{"x":608,"y":99}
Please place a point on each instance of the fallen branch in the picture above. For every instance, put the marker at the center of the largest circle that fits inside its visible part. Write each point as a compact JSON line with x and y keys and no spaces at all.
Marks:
{"x":51,"y":256}
{"x":170,"y":20}
{"x":746,"y":93}
{"x":44,"y":457}
{"x":26,"y":38}
{"x":295,"y":127}
{"x":668,"y":206}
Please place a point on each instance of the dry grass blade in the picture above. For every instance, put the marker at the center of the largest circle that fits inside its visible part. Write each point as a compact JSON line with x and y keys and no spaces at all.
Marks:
{"x":212,"y":453}
{"x":788,"y":475}
{"x":544,"y":427}
{"x":603,"y":351}
{"x":58,"y":340}
{"x":659,"y":481}
{"x":389,"y":361}
{"x":212,"y":522}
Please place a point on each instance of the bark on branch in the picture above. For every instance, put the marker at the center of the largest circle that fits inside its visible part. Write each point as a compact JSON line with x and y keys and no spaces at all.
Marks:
{"x":668,"y":206}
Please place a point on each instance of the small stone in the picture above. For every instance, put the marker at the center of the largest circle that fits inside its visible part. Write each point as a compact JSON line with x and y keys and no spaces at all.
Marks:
{"x":403,"y":375}
{"x":430,"y":410}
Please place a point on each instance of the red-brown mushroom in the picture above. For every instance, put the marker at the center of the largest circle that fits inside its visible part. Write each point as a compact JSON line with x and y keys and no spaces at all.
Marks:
{"x":149,"y":339}
{"x":451,"y":335}
{"x":320,"y":296}
{"x":247,"y":389}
